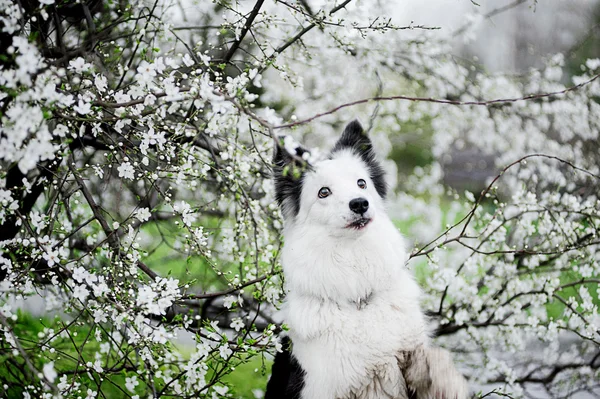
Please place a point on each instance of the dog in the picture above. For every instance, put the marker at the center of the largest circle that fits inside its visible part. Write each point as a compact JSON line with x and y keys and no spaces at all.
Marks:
{"x":356,"y":329}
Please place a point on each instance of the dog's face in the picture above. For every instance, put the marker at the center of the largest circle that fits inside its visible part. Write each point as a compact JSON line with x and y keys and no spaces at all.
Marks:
{"x":342,"y":193}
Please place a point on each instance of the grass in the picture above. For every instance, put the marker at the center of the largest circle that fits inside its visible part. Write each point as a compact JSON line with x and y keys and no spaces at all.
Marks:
{"x":250,"y":377}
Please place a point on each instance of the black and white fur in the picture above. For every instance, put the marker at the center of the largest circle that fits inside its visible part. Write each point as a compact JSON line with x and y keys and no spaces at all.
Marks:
{"x":356,"y":327}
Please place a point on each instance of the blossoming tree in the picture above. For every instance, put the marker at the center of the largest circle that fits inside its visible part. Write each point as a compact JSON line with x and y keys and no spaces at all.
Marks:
{"x":137,"y":135}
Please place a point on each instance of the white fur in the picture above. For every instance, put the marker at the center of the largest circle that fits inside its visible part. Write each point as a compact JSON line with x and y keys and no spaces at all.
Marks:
{"x":351,"y":304}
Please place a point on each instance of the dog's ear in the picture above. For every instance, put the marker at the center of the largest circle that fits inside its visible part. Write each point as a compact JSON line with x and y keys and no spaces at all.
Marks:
{"x":355,"y":139}
{"x":288,"y":172}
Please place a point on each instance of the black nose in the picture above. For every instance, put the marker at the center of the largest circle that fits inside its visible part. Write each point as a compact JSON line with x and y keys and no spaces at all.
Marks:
{"x":359,"y":205}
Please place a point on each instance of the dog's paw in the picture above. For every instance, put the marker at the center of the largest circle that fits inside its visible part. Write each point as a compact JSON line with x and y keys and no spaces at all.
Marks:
{"x":431,"y":374}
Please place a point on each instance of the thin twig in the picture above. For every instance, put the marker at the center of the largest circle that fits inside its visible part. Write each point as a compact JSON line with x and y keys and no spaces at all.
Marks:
{"x":225,"y":292}
{"x":440,"y":101}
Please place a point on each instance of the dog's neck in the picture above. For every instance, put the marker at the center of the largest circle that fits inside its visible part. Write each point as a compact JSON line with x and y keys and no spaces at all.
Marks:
{"x":346,"y":269}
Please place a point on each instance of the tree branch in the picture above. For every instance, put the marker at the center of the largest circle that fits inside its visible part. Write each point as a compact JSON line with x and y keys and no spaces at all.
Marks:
{"x":244,"y":31}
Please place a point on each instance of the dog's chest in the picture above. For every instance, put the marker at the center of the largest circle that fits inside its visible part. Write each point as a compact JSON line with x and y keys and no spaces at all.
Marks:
{"x":349,"y":350}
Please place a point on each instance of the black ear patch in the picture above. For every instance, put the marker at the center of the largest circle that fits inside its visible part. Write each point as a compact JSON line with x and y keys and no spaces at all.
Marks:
{"x":288,"y":171}
{"x":354,"y":138}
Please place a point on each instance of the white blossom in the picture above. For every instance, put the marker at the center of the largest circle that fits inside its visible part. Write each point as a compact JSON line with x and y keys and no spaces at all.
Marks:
{"x":101,"y":83}
{"x":225,"y":351}
{"x":143,"y":214}
{"x":131,"y":383}
{"x":83,"y":107}
{"x":80,"y":292}
{"x":126,"y":171}
{"x":79,"y":65}
{"x":50,"y":373}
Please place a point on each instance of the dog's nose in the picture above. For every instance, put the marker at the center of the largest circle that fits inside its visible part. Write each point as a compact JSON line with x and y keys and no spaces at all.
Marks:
{"x":359,"y":205}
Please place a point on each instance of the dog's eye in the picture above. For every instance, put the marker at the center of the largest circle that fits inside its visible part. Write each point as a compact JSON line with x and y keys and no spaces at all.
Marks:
{"x":361,"y":183}
{"x":324,"y":192}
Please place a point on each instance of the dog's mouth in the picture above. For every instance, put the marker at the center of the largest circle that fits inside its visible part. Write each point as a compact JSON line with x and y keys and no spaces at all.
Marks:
{"x":359,"y":223}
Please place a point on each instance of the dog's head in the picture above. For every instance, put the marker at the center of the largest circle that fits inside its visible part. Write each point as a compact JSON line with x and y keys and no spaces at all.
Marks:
{"x":342,"y":192}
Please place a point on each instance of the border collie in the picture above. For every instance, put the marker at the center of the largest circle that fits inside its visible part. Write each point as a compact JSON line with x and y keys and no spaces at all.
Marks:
{"x":355,"y":323}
